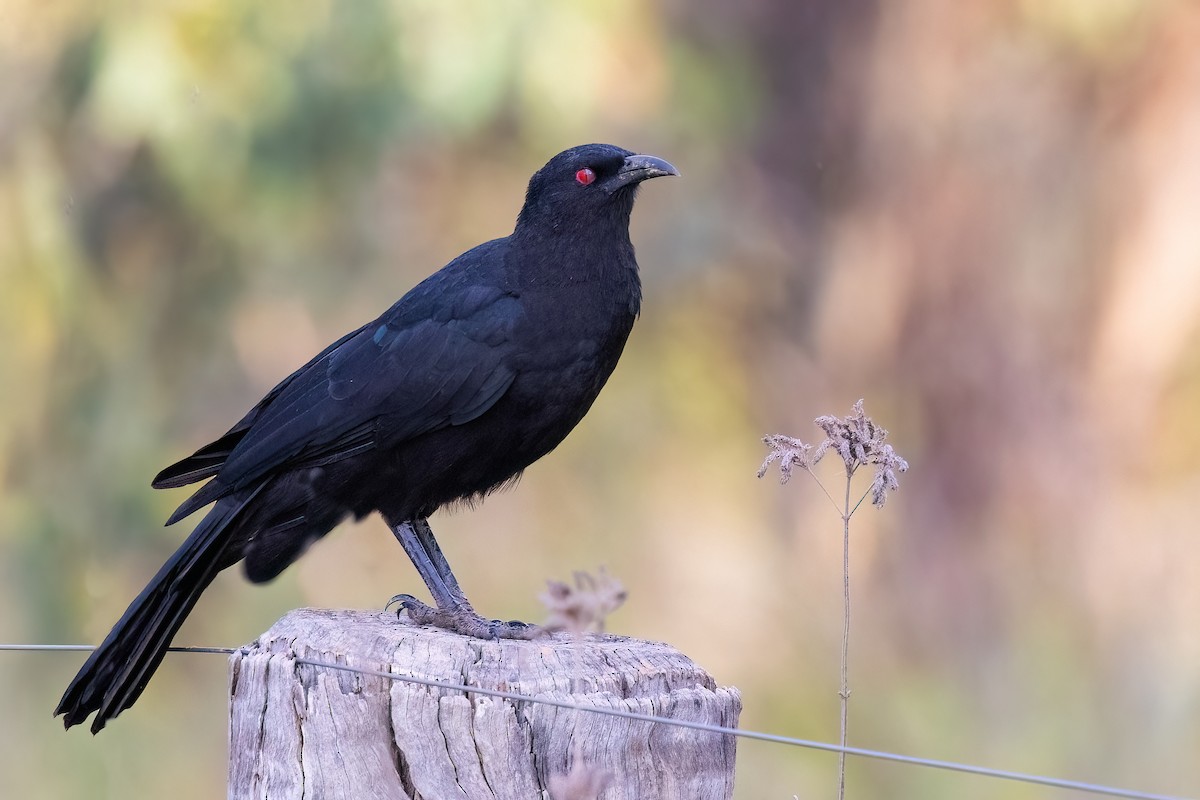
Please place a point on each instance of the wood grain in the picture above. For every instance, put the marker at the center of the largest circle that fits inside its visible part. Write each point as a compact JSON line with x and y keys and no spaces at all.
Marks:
{"x":302,"y":731}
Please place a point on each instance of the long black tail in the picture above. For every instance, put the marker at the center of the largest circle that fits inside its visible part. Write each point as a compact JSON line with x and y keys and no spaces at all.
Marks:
{"x":118,"y":670}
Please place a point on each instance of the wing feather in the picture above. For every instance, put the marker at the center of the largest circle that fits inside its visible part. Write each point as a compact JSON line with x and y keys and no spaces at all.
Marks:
{"x":208,"y":460}
{"x":393,"y":379}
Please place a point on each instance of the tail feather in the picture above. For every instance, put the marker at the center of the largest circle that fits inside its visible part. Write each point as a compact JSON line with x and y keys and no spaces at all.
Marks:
{"x":204,"y":463}
{"x":210,"y":492}
{"x":118,"y":670}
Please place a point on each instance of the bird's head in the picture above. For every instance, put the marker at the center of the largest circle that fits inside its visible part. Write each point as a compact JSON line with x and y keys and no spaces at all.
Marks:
{"x":588,"y":184}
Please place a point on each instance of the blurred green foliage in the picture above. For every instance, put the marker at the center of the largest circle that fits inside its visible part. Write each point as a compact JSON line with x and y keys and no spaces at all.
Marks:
{"x":978,"y":216}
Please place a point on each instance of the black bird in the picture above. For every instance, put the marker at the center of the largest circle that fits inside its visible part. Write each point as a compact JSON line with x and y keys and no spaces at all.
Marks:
{"x":480,"y":370}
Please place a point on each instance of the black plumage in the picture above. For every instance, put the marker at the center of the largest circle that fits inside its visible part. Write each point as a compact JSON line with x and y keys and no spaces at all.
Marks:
{"x":478,"y":371}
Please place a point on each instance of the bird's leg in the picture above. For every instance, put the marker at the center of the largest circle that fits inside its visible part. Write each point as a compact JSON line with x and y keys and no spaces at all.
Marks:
{"x":453,"y":612}
{"x":425,"y":538}
{"x":445,"y":596}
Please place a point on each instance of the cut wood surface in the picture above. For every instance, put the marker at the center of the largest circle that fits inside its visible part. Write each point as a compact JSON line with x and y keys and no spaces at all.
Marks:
{"x":303,"y":731}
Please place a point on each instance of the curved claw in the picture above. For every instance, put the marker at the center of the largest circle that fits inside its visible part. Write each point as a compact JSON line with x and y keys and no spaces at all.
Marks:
{"x":403,"y":600}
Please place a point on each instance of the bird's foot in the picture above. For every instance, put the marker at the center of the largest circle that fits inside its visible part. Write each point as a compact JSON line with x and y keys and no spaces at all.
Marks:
{"x":462,"y":620}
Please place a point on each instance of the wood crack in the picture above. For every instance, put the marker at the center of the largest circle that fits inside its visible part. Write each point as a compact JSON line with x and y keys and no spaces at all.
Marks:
{"x":302,"y":731}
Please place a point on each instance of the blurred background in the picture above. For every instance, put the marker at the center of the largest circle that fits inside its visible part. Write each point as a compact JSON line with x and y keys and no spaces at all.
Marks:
{"x":980,"y":217}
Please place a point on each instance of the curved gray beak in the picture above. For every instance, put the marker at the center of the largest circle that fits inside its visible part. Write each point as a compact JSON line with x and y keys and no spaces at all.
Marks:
{"x":640,"y":168}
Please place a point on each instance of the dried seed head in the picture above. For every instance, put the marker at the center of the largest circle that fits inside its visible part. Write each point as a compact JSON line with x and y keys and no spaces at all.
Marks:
{"x":788,"y":452}
{"x":856,"y":438}
{"x":584,"y":606}
{"x":583,"y":782}
{"x":887,"y":464}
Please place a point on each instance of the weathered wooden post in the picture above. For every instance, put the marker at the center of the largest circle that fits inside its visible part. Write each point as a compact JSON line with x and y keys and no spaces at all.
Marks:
{"x":304,"y":731}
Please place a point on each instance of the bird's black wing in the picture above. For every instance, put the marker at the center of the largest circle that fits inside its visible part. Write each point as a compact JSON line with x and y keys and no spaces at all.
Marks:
{"x":208,"y":460}
{"x":436,"y":358}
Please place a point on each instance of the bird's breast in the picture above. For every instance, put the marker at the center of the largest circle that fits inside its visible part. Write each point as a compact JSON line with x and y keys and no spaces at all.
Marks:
{"x":567,"y":345}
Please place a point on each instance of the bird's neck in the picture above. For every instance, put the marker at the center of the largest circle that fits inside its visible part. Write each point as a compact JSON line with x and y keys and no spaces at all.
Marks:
{"x":565,"y":253}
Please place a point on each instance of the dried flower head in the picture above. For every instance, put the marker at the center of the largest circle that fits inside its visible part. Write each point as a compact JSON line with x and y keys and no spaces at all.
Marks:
{"x":585,"y":605}
{"x":788,"y":452}
{"x":887,"y":464}
{"x":856,"y":438}
{"x":583,"y":782}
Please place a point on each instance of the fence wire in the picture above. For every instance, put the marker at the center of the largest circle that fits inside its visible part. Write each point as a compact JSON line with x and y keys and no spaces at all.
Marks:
{"x":861,"y":752}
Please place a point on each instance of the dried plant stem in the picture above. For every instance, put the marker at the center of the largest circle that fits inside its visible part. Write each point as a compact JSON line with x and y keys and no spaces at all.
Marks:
{"x":859,"y":442}
{"x":844,"y":692}
{"x":827,"y":494}
{"x":866,"y":494}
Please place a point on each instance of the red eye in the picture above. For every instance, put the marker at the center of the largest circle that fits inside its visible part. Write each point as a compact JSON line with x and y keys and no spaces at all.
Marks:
{"x":584,"y":176}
